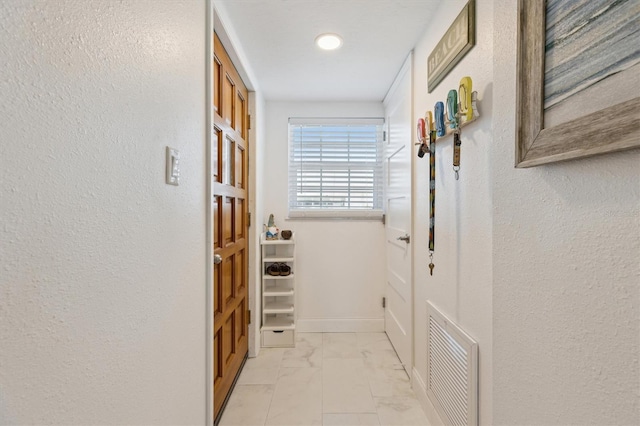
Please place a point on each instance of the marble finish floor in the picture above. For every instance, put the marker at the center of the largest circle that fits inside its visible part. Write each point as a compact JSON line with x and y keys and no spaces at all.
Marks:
{"x":328,"y":379}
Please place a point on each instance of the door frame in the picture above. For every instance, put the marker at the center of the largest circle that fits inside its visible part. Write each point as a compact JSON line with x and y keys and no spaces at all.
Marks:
{"x":214,"y":21}
{"x":407,"y":67}
{"x":209,"y":211}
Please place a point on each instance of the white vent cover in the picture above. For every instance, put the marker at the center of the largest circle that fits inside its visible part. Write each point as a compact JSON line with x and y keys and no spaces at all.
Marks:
{"x":452,"y":370}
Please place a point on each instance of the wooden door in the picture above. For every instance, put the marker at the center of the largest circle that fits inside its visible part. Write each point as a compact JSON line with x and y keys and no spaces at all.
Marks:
{"x":398,"y":310}
{"x":229,"y":168}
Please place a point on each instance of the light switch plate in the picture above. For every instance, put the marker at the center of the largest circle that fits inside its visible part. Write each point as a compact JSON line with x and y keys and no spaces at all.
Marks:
{"x":173,"y":166}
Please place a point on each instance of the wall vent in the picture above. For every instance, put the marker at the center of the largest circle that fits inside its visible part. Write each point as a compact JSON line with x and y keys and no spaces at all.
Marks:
{"x":452,"y":370}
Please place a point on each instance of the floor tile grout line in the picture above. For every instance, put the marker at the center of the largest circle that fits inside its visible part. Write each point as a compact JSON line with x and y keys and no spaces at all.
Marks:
{"x":375,"y":406}
{"x":275,"y":386}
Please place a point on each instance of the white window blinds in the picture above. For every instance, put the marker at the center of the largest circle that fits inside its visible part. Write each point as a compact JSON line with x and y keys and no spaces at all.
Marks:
{"x":335,"y":167}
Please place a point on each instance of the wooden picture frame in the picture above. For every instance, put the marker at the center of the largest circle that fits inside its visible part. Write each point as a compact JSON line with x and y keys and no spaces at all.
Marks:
{"x":613,"y":128}
{"x":453,"y":46}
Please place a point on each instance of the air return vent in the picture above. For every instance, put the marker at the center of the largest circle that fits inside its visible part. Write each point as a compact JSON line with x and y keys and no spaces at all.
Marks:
{"x":452,"y":370}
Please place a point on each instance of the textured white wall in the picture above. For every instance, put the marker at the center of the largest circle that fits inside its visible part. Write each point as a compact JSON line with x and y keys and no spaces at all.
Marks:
{"x":461,"y":283}
{"x":340,"y":269}
{"x":566,"y":264}
{"x":102,"y":286}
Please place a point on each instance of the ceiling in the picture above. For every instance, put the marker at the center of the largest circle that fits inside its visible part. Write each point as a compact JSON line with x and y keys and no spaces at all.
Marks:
{"x":278,"y":36}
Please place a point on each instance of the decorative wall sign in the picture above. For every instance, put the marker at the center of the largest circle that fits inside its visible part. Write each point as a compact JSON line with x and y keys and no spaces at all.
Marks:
{"x":577,"y":85}
{"x":456,"y":42}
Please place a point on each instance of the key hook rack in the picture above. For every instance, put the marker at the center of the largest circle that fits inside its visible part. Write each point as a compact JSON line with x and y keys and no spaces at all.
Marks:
{"x":427,"y":130}
{"x":459,"y":118}
{"x":461,"y":109}
{"x":462,"y":122}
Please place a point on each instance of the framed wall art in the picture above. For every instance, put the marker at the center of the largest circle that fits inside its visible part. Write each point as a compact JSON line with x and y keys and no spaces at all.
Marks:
{"x":578,"y":82}
{"x":456,"y":42}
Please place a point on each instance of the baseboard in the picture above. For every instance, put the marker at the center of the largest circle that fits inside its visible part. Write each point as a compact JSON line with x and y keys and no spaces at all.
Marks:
{"x":420,"y":389}
{"x":340,"y":325}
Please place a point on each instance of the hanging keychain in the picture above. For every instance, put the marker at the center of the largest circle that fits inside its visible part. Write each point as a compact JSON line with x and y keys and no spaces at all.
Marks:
{"x":454,"y":123}
{"x":436,"y":129}
{"x":432,"y":186}
{"x":422,"y":137}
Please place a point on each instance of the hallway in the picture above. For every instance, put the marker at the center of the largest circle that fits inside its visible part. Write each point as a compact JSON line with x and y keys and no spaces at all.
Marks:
{"x":329,"y":379}
{"x":108,"y":298}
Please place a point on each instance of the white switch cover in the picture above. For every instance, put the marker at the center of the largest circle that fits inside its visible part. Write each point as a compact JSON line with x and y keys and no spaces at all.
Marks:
{"x":173,"y":166}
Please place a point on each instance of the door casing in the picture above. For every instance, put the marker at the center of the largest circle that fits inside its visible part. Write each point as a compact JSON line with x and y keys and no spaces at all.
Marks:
{"x":398,"y":209}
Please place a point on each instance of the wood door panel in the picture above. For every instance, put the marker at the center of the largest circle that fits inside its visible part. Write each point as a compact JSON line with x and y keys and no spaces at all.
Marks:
{"x":239,"y":278}
{"x":217,"y":87}
{"x":229,"y":181}
{"x":241,"y":214}
{"x":228,"y":280}
{"x":228,"y":339}
{"x":217,"y":363}
{"x":217,"y":291}
{"x":241,"y":323}
{"x":228,"y":222}
{"x":217,"y":222}
{"x":239,"y":124}
{"x":229,"y":161}
{"x":240,"y":171}
{"x":216,"y":155}
{"x":228,"y":100}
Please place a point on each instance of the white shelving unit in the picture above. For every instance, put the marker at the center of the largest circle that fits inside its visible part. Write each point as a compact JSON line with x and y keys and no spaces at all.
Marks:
{"x":278,"y":293}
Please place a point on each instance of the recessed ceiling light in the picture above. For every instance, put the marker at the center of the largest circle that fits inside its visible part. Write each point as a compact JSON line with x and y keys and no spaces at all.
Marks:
{"x":329,"y":41}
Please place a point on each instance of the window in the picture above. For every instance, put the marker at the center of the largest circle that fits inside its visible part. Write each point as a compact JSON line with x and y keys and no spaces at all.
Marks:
{"x":335,"y":167}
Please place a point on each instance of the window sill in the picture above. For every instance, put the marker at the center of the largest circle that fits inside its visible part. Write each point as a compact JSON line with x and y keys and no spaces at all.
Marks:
{"x":335,"y":215}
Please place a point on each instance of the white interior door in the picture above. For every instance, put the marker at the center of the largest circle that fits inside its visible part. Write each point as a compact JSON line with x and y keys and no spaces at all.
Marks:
{"x":398,"y":311}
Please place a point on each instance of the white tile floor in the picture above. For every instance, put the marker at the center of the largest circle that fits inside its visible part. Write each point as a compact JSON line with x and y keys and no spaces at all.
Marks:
{"x":328,"y":379}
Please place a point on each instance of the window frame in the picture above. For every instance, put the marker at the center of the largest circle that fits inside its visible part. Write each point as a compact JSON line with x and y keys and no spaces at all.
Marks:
{"x":374,"y":213}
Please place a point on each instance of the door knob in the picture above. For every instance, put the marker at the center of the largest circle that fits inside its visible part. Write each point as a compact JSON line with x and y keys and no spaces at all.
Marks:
{"x":217,"y":259}
{"x":404,"y":238}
